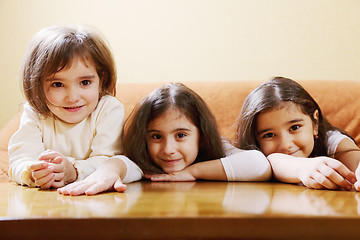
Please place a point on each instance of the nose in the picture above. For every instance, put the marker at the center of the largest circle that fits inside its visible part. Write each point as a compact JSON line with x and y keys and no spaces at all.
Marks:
{"x":285,"y":143}
{"x":72,"y":94}
{"x":169,"y":146}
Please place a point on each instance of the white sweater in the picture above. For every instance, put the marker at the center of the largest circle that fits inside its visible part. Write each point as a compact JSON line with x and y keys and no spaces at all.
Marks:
{"x":87,"y":144}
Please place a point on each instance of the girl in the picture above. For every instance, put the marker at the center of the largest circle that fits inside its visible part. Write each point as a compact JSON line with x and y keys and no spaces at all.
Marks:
{"x":71,"y":122}
{"x":170,"y":130}
{"x":283,"y":121}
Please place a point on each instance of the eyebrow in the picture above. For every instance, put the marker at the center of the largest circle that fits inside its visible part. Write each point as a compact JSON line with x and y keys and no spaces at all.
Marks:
{"x":176,"y":130}
{"x":91,"y":76}
{"x":296,"y":120}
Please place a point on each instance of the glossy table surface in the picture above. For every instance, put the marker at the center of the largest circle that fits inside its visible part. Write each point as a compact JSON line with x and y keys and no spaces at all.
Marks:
{"x":182,"y":210}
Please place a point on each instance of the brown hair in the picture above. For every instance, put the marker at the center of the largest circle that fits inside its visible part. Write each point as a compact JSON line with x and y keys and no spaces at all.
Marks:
{"x":272,"y":95}
{"x":185,"y":100}
{"x":53,"y":49}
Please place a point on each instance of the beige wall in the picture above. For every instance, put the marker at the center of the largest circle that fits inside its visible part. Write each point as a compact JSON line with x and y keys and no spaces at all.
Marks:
{"x":195,"y":40}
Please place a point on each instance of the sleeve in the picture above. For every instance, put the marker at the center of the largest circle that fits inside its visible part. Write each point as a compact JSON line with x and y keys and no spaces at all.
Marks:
{"x":334,"y":138}
{"x":24,"y":147}
{"x":249,"y":165}
{"x":109,"y":119}
{"x":133,"y":172}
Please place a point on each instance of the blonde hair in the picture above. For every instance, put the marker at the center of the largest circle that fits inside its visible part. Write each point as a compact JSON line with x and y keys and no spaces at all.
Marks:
{"x":53,"y":49}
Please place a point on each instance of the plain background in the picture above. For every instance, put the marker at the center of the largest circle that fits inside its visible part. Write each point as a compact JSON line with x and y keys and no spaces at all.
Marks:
{"x":194,"y":40}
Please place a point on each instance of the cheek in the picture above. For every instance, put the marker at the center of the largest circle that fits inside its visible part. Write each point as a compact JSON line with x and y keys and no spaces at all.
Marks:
{"x":52,"y":97}
{"x":266,"y":147}
{"x":192,"y":152}
{"x":152,"y":150}
{"x":309,"y":143}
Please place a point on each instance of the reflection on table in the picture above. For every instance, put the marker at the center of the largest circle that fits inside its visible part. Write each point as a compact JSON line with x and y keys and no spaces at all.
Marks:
{"x":199,"y":204}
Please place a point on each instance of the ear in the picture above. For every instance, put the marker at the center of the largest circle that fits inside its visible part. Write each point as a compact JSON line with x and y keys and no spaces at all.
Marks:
{"x":316,"y":123}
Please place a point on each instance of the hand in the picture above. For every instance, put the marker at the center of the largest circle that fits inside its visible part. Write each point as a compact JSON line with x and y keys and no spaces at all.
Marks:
{"x":98,"y":181}
{"x":107,"y":177}
{"x":181,"y":176}
{"x":357,"y":183}
{"x":326,"y":173}
{"x":42,"y":174}
{"x":63,"y":170}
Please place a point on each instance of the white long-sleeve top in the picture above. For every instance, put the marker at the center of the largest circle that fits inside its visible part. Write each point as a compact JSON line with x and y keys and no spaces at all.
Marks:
{"x":245,"y":165}
{"x":86,"y":144}
{"x":239,"y":165}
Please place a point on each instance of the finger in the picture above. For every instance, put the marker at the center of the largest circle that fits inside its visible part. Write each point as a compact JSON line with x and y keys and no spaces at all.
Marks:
{"x":147,"y":175}
{"x":59,"y":176}
{"x":159,"y":178}
{"x":65,"y":190}
{"x":342,"y":170}
{"x":88,"y":188}
{"x":57,"y":160}
{"x":156,"y":177}
{"x":334,"y":177}
{"x":45,"y":181}
{"x":169,"y":178}
{"x":324,"y":181}
{"x":58,"y":184}
{"x":39,"y":165}
{"x":311,"y":183}
{"x":47,"y":185}
{"x":119,"y":186}
{"x":357,"y":186}
{"x":98,"y":188}
{"x":38,"y":174}
{"x":49,"y":155}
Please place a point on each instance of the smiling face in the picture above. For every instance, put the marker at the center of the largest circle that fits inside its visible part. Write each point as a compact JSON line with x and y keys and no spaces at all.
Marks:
{"x":286,"y":130}
{"x":172,"y":141}
{"x":73,"y":93}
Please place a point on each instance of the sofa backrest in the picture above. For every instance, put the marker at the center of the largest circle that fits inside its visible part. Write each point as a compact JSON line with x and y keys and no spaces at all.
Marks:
{"x":338,"y":100}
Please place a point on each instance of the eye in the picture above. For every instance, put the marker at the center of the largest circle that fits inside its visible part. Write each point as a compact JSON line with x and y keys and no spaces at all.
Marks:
{"x":181,"y":135}
{"x":268,"y":135}
{"x":85,"y":82}
{"x":294,"y":127}
{"x":156,"y":136}
{"x":57,"y":84}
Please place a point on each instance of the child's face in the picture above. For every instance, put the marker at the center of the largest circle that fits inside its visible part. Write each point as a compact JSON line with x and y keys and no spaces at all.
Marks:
{"x":287,"y":131}
{"x":172,"y":141}
{"x":73,"y":92}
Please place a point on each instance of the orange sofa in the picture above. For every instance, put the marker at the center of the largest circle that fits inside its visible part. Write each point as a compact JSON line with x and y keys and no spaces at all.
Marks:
{"x":338,"y":100}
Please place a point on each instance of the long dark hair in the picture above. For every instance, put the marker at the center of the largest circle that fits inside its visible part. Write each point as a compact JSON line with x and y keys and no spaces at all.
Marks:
{"x":272,"y":95}
{"x":185,"y":100}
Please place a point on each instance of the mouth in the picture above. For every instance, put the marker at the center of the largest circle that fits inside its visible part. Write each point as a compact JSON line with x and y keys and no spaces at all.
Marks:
{"x":73,"y":108}
{"x":293,"y":152}
{"x":171,"y":161}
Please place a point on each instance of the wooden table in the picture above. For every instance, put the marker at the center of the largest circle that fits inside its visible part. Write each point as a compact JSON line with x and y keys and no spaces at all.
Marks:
{"x":183,"y":210}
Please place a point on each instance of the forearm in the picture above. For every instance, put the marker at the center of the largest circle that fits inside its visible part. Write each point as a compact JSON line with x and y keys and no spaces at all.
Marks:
{"x":249,"y":165}
{"x":127,"y":169}
{"x":208,"y":170}
{"x":87,"y":166}
{"x":284,"y":167}
{"x":114,"y":165}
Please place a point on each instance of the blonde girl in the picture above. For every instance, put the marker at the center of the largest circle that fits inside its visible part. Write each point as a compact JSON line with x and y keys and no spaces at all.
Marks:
{"x":71,"y":122}
{"x":282,"y":120}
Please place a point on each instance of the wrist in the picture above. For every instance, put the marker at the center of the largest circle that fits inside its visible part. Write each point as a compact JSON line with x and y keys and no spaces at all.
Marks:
{"x":72,"y":174}
{"x":193,"y":170}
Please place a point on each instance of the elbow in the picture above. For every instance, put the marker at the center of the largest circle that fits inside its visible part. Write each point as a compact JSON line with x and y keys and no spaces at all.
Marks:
{"x":264,"y":171}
